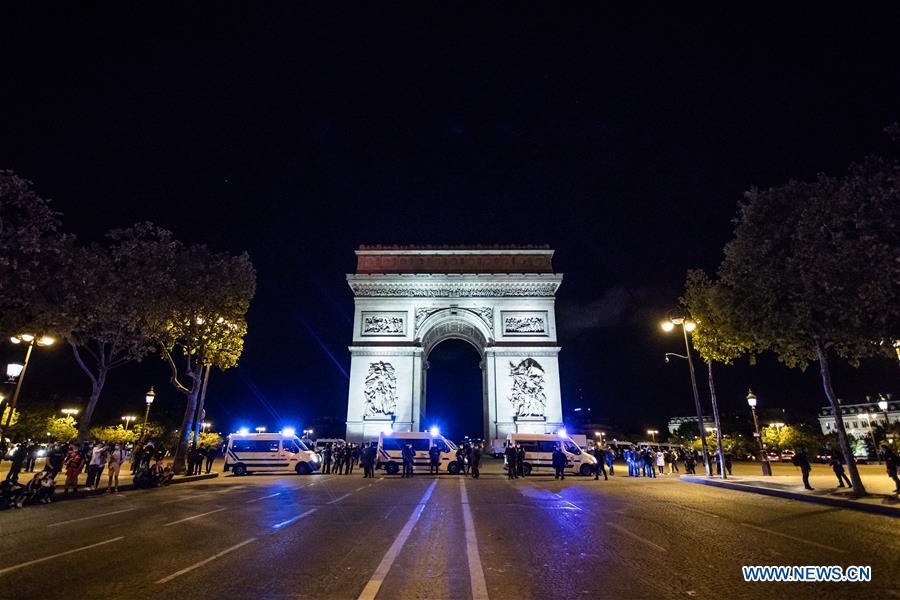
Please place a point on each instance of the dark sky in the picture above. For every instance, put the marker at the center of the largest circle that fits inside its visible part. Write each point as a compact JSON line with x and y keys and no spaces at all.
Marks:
{"x":623,"y":140}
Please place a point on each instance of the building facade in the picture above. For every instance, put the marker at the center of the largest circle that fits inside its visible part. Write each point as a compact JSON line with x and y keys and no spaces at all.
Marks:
{"x":410,"y":299}
{"x":859,"y":417}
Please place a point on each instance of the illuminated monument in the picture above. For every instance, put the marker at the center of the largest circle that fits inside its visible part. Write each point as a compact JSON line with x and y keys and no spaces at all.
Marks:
{"x":408,"y":299}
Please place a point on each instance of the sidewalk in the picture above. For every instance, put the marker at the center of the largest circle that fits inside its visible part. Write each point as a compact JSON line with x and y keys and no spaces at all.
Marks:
{"x":881,"y":499}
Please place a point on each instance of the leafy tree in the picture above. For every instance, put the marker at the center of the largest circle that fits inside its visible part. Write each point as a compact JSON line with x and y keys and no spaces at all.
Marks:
{"x":716,"y":337}
{"x":112,"y":290}
{"x":203,"y":323}
{"x":9,"y":413}
{"x":210,"y":439}
{"x":62,"y":429}
{"x":814,"y":272}
{"x":114,"y":434}
{"x":31,"y":424}
{"x":152,"y":431}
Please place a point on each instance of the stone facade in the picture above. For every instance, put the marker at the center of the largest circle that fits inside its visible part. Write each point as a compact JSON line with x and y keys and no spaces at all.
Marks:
{"x":400,"y":317}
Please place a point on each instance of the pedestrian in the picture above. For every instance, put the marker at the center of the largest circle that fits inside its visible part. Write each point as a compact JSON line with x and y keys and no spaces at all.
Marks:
{"x":15,"y":465}
{"x":510,"y":455}
{"x":95,"y":465}
{"x":661,"y":462}
{"x":355,"y":455}
{"x":467,"y":456}
{"x":520,"y":460}
{"x":475,"y":461}
{"x":611,"y":460}
{"x":673,"y":461}
{"x":728,"y":462}
{"x":116,"y":458}
{"x":649,"y":460}
{"x":74,"y":462}
{"x":559,"y":463}
{"x":409,"y":456}
{"x":33,"y":449}
{"x":801,"y":460}
{"x":371,"y":455}
{"x":434,"y":459}
{"x":837,"y":465}
{"x":211,"y":453}
{"x":348,"y":459}
{"x":689,"y":463}
{"x":56,"y":456}
{"x":326,"y":459}
{"x":891,"y":463}
{"x":202,"y":453}
{"x":460,"y":460}
{"x":600,"y":455}
{"x":628,"y":462}
{"x":364,"y":459}
{"x":338,"y":460}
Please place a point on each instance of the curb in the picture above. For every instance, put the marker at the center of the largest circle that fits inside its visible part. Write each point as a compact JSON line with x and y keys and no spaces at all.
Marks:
{"x":127,"y":487}
{"x":878,"y":509}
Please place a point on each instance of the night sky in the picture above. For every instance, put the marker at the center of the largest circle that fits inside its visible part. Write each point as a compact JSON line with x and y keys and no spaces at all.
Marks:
{"x":622,"y":140}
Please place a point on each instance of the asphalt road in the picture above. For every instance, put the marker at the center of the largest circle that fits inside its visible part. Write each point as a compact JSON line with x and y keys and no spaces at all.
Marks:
{"x":282,"y":536}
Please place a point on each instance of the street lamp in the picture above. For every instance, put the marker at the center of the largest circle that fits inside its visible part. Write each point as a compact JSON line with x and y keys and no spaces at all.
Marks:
{"x":13,"y":370}
{"x":653,"y":432}
{"x":260,"y":429}
{"x":149,"y":397}
{"x":70,"y":412}
{"x":129,"y":419}
{"x":687,"y":325}
{"x":205,"y":425}
{"x":766,"y":465}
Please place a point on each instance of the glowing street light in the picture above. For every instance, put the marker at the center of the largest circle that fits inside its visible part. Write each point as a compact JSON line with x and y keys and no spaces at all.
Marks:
{"x":260,"y":430}
{"x":766,"y":465}
{"x":687,"y":326}
{"x":129,"y":419}
{"x":69,"y":412}
{"x":205,"y":425}
{"x":149,"y":397}
{"x":652,"y":433}
{"x":13,"y":370}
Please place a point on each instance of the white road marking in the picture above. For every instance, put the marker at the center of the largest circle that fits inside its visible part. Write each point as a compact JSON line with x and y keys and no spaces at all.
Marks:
{"x":771,"y":531}
{"x":52,"y":556}
{"x":371,"y":590}
{"x":115,"y":512}
{"x":231,"y":489}
{"x":203,"y":562}
{"x":194,"y":517}
{"x":263,"y":497}
{"x":338,"y":499}
{"x":635,"y":536}
{"x":293,"y":519}
{"x":790,"y":537}
{"x":476,"y":572}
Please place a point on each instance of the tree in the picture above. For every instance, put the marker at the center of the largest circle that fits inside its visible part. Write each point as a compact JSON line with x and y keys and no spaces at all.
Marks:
{"x":112,"y":288}
{"x":814,"y":272}
{"x":62,"y":429}
{"x":203,"y":323}
{"x":115,"y":434}
{"x":210,"y":439}
{"x":716,"y":337}
{"x":31,"y":424}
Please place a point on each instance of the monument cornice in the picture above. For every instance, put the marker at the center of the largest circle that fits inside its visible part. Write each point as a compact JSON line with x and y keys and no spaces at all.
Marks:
{"x":475,"y":285}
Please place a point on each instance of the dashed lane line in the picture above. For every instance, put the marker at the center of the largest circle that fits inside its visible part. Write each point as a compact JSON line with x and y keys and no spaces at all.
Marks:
{"x":635,"y":536}
{"x":374,"y":584}
{"x":476,"y":572}
{"x":205,"y":561}
{"x":287,"y":522}
{"x":115,"y":512}
{"x":263,"y":497}
{"x":338,"y":499}
{"x":52,"y":556}
{"x":193,"y":517}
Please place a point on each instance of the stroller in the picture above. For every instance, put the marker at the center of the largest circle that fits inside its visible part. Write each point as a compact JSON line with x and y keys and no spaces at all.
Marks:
{"x":38,"y":490}
{"x":152,"y":476}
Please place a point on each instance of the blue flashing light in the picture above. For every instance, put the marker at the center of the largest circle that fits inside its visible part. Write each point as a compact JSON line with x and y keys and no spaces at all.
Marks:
{"x":288,"y":432}
{"x":243,"y":431}
{"x":435,"y":431}
{"x":562,"y":432}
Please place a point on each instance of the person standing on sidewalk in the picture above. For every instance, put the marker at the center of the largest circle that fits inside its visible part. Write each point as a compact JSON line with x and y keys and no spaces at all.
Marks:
{"x":891,"y":463}
{"x":116,"y":458}
{"x":802,"y":460}
{"x":837,"y":465}
{"x":95,"y":465}
{"x":15,"y":465}
{"x":74,"y":463}
{"x":510,"y":461}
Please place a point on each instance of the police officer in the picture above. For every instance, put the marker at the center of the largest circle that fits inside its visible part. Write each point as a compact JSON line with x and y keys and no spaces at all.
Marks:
{"x":434,"y":459}
{"x":600,"y":467}
{"x":802,"y":460}
{"x":461,"y":460}
{"x":326,"y":459}
{"x":408,"y":458}
{"x":475,"y":460}
{"x":559,"y":463}
{"x":520,"y":460}
{"x":510,"y":461}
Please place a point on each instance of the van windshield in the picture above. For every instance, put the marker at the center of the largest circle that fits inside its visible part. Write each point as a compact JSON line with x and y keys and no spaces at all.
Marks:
{"x":571,"y":447}
{"x":300,"y":444}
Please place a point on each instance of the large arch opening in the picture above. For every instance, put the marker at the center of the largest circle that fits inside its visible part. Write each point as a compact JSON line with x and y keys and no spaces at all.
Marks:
{"x":454,"y":390}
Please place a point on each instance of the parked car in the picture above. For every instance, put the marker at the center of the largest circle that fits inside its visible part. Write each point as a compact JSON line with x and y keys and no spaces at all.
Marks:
{"x":787,"y":455}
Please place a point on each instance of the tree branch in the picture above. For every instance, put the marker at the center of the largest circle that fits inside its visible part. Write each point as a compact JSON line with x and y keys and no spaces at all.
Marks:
{"x":82,"y":364}
{"x":174,"y":378}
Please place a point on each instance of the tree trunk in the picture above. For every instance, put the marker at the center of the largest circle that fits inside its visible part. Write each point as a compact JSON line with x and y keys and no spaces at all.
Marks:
{"x":715,"y":407}
{"x":858,"y":488}
{"x":97,"y":383}
{"x":178,"y":461}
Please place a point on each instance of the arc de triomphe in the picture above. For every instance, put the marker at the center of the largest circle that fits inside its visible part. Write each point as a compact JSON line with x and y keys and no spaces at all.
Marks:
{"x":410,"y":299}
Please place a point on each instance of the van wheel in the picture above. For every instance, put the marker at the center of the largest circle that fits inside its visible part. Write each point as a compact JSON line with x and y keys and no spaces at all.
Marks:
{"x":585,"y":470}
{"x":526,"y":468}
{"x":239,"y":470}
{"x":391,"y":468}
{"x":303,"y":469}
{"x":453,"y":468}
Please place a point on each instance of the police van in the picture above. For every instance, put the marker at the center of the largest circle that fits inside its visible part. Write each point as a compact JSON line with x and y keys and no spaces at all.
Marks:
{"x":269,"y":452}
{"x":539,"y":453}
{"x":390,"y":448}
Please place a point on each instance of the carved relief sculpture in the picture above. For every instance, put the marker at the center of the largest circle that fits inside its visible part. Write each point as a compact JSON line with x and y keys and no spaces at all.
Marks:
{"x":383,"y":324}
{"x":528,"y":397}
{"x":381,"y":390}
{"x":524,"y":324}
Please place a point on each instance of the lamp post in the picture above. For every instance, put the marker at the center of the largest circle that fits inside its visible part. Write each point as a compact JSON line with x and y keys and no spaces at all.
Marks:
{"x":652,"y":433}
{"x":766,"y":465}
{"x":149,"y":397}
{"x":260,"y":430}
{"x":13,"y":370}
{"x":69,"y":412}
{"x":129,"y":419}
{"x":687,"y":326}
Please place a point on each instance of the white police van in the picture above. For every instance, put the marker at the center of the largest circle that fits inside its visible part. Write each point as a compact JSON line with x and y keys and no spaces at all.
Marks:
{"x":269,"y":452}
{"x":390,"y":451}
{"x":539,"y":453}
